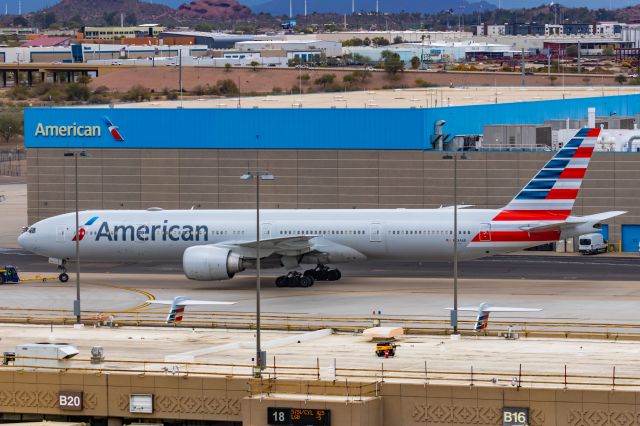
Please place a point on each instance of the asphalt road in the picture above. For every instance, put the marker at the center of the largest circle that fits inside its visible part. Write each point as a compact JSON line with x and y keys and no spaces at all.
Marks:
{"x":529,"y":266}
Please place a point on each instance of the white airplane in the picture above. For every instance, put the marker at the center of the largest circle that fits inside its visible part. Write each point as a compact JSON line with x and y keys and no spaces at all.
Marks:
{"x":180,"y":302}
{"x":482,"y":320}
{"x":217,"y":244}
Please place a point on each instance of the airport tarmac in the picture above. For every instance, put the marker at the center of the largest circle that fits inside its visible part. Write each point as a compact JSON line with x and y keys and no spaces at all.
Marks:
{"x":353,"y":296}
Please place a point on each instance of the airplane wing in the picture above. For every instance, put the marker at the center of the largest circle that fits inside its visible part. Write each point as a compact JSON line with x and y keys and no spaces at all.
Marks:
{"x":293,"y":246}
{"x":190,"y":302}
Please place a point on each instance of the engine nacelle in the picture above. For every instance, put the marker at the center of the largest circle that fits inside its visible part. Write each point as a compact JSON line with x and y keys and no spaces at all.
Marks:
{"x":209,"y":263}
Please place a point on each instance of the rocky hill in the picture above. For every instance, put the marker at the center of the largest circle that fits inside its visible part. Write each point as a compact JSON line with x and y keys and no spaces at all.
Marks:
{"x":107,"y":12}
{"x":213,"y":9}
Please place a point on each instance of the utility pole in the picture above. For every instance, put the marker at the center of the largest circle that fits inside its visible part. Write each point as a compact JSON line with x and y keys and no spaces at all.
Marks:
{"x":522,"y":66}
{"x":579,"y":65}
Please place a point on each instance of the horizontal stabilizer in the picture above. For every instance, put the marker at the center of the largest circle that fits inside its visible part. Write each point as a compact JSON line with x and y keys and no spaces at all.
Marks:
{"x":190,"y":302}
{"x":496,"y":309}
{"x":598,"y":217}
{"x":572,"y":221}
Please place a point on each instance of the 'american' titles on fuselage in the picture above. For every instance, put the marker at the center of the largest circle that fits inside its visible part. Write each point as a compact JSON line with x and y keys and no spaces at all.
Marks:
{"x":150,"y":232}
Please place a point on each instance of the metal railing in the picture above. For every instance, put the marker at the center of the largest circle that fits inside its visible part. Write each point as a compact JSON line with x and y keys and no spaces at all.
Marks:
{"x":345,"y":381}
{"x":289,"y":322}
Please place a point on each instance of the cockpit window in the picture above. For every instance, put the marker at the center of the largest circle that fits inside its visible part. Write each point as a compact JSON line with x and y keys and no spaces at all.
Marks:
{"x":32,"y":230}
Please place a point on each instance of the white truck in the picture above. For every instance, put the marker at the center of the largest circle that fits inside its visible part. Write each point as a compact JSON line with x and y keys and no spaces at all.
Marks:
{"x":592,"y":244}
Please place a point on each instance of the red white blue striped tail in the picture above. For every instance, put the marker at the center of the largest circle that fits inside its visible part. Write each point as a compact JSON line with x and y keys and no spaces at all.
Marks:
{"x":176,"y":314}
{"x":482,"y":321}
{"x":550,"y":195}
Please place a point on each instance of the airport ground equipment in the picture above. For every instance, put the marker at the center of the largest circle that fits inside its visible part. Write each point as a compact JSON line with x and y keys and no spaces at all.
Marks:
{"x":9,"y":274}
{"x":593,"y":243}
{"x":386,"y":348}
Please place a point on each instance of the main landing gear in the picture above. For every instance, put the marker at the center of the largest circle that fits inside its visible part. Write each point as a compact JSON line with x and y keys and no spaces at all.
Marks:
{"x":310,"y":276}
{"x":323,"y":273}
{"x":63,"y":277}
{"x":294,"y":279}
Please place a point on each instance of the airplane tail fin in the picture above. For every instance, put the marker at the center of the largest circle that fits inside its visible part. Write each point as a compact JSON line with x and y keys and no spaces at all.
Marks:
{"x":482,"y":321}
{"x":176,"y":312}
{"x":550,"y":195}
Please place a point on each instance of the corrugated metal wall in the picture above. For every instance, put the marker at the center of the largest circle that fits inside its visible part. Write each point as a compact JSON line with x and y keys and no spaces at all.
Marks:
{"x":300,"y":128}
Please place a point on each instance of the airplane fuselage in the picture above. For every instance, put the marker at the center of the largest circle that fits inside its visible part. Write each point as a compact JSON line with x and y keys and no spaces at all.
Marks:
{"x":164,"y":235}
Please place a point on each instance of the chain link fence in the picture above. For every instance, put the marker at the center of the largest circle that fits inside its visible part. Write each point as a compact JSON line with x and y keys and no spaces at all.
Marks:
{"x":13,"y":163}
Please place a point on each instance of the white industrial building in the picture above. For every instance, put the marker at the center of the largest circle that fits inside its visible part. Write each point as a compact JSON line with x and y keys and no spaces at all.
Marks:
{"x":438,"y":51}
{"x":328,"y":48}
{"x":97,"y":52}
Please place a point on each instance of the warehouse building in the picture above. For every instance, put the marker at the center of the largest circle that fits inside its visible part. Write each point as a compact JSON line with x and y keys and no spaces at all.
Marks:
{"x":191,"y":155}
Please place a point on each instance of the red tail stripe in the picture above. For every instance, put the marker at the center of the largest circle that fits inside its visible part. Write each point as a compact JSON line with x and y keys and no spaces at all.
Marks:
{"x":562,"y":194}
{"x":521,"y":215}
{"x":593,"y":133}
{"x":521,"y":236}
{"x":583,"y":152}
{"x":573,"y":173}
{"x":179,"y":313}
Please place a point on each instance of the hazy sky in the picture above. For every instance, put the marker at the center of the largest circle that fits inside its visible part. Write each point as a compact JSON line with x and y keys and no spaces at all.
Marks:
{"x":30,"y":5}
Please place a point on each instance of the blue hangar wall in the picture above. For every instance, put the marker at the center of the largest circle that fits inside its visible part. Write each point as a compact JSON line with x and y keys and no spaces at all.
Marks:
{"x":390,"y":129}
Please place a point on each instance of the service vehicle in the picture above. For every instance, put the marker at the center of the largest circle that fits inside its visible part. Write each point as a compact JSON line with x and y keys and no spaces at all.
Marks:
{"x":592,"y":243}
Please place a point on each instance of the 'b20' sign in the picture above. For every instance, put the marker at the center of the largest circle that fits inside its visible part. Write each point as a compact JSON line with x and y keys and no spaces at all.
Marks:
{"x":70,"y":400}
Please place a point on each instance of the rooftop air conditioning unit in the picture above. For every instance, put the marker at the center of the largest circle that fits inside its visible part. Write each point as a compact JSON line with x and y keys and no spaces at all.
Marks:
{"x":56,"y":355}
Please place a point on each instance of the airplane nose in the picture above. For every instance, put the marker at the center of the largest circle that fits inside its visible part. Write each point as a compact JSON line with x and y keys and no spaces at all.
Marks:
{"x":24,"y":241}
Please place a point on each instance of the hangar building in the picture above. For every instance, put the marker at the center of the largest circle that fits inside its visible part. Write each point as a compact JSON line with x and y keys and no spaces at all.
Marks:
{"x":191,"y":154}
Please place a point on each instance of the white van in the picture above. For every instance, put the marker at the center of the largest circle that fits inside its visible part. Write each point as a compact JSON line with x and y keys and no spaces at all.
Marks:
{"x":592,"y":244}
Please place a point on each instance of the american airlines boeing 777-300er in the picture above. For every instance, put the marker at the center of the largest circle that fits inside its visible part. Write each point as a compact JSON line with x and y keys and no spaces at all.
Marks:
{"x":217,"y":244}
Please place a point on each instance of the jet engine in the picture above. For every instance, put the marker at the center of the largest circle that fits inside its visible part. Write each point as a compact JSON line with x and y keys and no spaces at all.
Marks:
{"x":210,"y":263}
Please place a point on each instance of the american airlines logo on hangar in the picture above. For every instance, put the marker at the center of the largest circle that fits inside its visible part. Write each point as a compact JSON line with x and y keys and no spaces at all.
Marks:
{"x":79,"y":130}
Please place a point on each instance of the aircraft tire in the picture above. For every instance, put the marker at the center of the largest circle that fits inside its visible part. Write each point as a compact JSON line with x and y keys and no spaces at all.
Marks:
{"x":63,"y":277}
{"x":281,"y":281}
{"x":334,"y":275}
{"x":321,"y":275}
{"x":293,"y":281}
{"x":306,"y":281}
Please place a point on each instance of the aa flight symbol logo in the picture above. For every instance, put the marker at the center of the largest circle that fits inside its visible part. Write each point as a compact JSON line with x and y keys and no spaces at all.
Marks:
{"x":113,"y":129}
{"x":81,"y":231}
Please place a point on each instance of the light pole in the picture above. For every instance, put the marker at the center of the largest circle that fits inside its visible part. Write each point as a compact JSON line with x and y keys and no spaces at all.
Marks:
{"x":454,"y":313}
{"x":76,"y":303}
{"x":258,"y":175}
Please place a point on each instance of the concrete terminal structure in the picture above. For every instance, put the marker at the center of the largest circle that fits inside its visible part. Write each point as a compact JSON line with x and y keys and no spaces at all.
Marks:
{"x":431,"y":381}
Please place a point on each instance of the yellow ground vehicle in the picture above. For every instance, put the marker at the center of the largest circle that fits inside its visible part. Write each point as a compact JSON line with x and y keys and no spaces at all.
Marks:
{"x":386,"y":348}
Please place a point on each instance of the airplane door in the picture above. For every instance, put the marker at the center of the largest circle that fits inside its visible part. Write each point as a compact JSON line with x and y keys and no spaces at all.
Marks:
{"x":375,"y":232}
{"x":61,"y":230}
{"x":265,"y":230}
{"x":485,"y":232}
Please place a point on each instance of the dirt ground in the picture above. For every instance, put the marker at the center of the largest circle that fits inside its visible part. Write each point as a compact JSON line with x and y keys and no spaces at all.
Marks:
{"x":265,"y":80}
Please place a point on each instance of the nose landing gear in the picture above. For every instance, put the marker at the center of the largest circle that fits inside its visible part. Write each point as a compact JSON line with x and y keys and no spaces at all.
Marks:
{"x":63,"y":276}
